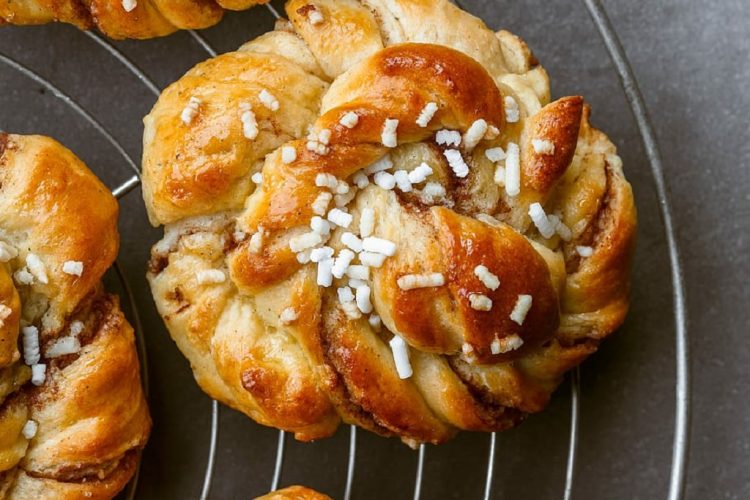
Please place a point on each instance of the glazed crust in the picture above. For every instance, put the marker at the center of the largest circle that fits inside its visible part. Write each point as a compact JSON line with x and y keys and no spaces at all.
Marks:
{"x":215,"y":161}
{"x":148,"y":19}
{"x":385,"y":59}
{"x":90,"y":411}
{"x":45,"y":187}
{"x":294,"y":493}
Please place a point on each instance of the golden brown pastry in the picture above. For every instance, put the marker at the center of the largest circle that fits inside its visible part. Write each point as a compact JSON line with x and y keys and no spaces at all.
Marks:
{"x":294,"y":493}
{"x":73,"y":416}
{"x":374,"y":214}
{"x":123,"y":18}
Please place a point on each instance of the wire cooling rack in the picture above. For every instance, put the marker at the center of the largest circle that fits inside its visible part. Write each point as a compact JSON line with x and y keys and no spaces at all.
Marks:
{"x":681,"y":389}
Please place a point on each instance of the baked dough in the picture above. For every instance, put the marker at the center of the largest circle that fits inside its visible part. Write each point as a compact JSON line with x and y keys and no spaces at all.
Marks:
{"x":232,"y":277}
{"x":78,"y":431}
{"x":294,"y":493}
{"x":122,"y":18}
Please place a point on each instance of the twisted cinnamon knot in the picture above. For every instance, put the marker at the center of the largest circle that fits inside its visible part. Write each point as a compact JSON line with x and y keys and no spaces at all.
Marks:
{"x":406,"y":236}
{"x":72,"y":412}
{"x":122,"y":18}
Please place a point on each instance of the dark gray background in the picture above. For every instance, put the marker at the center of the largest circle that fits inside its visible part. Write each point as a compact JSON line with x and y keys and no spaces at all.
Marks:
{"x":691,"y":60}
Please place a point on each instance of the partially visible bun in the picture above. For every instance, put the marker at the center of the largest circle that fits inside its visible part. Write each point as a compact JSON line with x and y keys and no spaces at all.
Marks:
{"x":294,"y":493}
{"x":123,"y":18}
{"x":76,"y":431}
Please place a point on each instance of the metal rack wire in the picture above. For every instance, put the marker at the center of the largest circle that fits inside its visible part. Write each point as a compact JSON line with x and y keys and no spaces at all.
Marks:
{"x":682,"y":401}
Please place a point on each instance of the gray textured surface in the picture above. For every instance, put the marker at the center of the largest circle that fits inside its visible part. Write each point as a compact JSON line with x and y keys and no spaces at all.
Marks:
{"x":692,"y":65}
{"x":694,"y":78}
